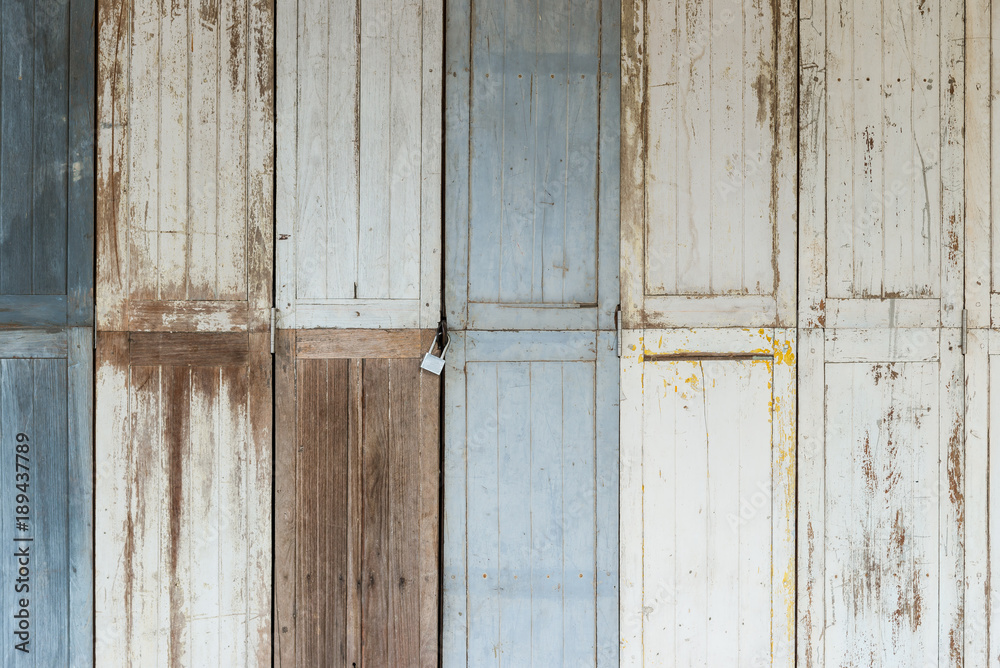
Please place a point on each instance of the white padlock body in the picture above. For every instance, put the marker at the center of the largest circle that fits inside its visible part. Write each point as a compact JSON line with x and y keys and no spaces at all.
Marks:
{"x":433,"y":364}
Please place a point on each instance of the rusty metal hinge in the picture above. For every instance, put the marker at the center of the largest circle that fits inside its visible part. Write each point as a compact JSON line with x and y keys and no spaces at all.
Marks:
{"x":273,"y":318}
{"x":618,"y":330}
{"x":965,"y":331}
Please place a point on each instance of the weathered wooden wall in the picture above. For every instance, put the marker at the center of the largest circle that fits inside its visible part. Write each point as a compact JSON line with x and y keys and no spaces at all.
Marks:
{"x":359,"y":163}
{"x":531,"y":287}
{"x":46,"y":341}
{"x":882,"y":442}
{"x":356,"y":487}
{"x":184,"y":234}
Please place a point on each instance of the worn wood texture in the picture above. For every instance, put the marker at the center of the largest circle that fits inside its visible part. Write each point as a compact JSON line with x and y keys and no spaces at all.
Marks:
{"x":708,"y":497}
{"x":708,"y":155}
{"x":883,"y":142}
{"x":185,"y":164}
{"x":531,"y":167}
{"x":882,"y":567}
{"x":356,"y":502}
{"x":531,"y":499}
{"x":48,"y":397}
{"x":359,"y":152}
{"x":184,"y":509}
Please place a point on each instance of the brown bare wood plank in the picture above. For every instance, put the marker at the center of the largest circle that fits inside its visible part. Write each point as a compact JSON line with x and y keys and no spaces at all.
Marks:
{"x":337,"y":417}
{"x":404,"y":546}
{"x":285,"y":493}
{"x":375,"y":513}
{"x":429,"y":518}
{"x":191,"y":349}
{"x":176,"y":426}
{"x":366,"y":344}
{"x":311,"y":382}
{"x":259,"y":507}
{"x":355,"y":506}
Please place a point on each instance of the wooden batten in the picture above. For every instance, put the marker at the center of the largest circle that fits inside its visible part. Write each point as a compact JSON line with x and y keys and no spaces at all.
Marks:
{"x":184,"y":387}
{"x":356,"y":487}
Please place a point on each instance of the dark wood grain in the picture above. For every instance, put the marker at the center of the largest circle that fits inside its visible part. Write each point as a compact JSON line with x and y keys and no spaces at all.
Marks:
{"x":375,"y":513}
{"x":285,"y":501}
{"x":189,"y":348}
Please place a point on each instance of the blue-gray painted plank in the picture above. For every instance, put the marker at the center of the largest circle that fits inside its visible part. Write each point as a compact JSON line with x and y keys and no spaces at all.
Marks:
{"x":610,"y":165}
{"x":606,"y":504}
{"x":80,"y":237}
{"x":457,"y":172}
{"x":525,"y":500}
{"x":80,"y":459}
{"x":51,"y":507}
{"x":17,"y":85}
{"x":50,"y":148}
{"x":32,"y":310}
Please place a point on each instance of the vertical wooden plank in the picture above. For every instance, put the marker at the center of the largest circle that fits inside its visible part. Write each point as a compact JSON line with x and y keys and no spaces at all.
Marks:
{"x":951,"y":237}
{"x":403,"y":471}
{"x":482,"y":382}
{"x":487,"y":65}
{"x":811,"y":509}
{"x":432,"y":140}
{"x":812,"y":168}
{"x":113,"y":587}
{"x":204,"y":514}
{"x":170,"y":263}
{"x":286,"y":550}
{"x":607,"y":503}
{"x":49,"y":151}
{"x":458,"y":163}
{"x":375,"y":513}
{"x":17,"y":87}
{"x":259,"y":520}
{"x":633,"y":164}
{"x":202,"y":159}
{"x":579,"y":523}
{"x":515,"y":507}
{"x":375,"y":137}
{"x":318,"y":158}
{"x":80,"y":401}
{"x":457,"y":585}
{"x":951,"y":474}
{"x":175,"y":517}
{"x":784,"y":472}
{"x":609,"y":164}
{"x":404,"y":149}
{"x":310,"y":375}
{"x":429,"y":516}
{"x":355,"y":509}
{"x":82,"y":124}
{"x":976,"y":650}
{"x":978,"y":156}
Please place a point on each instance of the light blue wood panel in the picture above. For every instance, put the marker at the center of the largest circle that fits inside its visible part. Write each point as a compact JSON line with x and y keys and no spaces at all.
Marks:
{"x":530,"y":519}
{"x":47,"y":400}
{"x":531,"y":167}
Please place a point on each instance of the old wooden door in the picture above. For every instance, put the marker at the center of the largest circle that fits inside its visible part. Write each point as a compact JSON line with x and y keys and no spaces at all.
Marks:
{"x":708,"y":246}
{"x":46,"y":337}
{"x":707,"y":497}
{"x":184,"y":458}
{"x":357,"y":499}
{"x":531,"y":288}
{"x":882,"y":469}
{"x":358,"y":304}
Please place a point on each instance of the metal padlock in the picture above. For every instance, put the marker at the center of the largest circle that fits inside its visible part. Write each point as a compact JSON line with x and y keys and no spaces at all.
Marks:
{"x":432,"y":362}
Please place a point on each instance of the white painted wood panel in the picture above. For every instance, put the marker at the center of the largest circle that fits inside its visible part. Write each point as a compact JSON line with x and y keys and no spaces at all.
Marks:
{"x":708,"y":158}
{"x":882,"y":159}
{"x":707,"y":551}
{"x":359,"y":174}
{"x":882,"y":560}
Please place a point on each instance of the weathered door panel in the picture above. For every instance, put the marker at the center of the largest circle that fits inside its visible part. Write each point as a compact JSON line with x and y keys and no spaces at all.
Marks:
{"x":708,"y":164}
{"x":881,"y":173}
{"x":359,"y":146}
{"x":532,"y":169}
{"x":531,"y":496}
{"x":184,"y":234}
{"x":882,"y":528}
{"x":184,"y":501}
{"x":708,"y":497}
{"x":357,"y":500}
{"x":185,"y":165}
{"x":46,"y":402}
